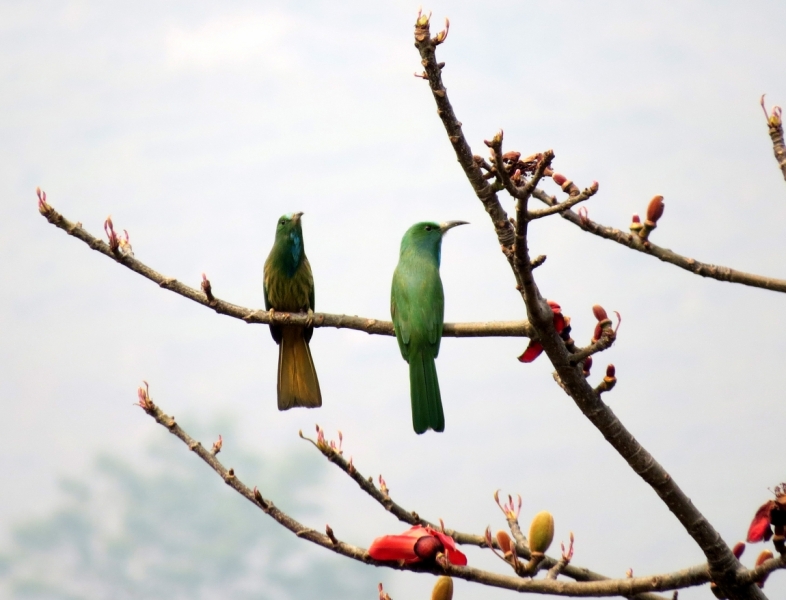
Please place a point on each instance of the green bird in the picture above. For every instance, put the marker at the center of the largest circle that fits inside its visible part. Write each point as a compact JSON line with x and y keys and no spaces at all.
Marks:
{"x":289,"y":286}
{"x":417,"y":306}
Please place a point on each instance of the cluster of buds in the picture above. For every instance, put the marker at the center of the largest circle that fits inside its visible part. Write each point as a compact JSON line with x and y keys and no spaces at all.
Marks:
{"x":417,"y":544}
{"x":329,"y":445}
{"x":217,"y":445}
{"x":508,"y":509}
{"x":654,"y":213}
{"x":770,"y":521}
{"x":120,"y":245}
{"x":561,"y":324}
{"x":774,"y":120}
{"x":383,"y":595}
{"x":43,"y":207}
{"x":541,"y":534}
{"x":143,"y":394}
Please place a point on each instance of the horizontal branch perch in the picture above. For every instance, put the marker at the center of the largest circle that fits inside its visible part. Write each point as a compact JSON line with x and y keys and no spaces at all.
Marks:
{"x":371,"y":326}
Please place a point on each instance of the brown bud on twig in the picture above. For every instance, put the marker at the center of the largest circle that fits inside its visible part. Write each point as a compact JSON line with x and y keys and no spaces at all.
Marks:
{"x":763,"y":557}
{"x":331,"y":535}
{"x":207,"y":289}
{"x":383,"y":487}
{"x":654,"y":212}
{"x":217,"y":445}
{"x":587,"y":366}
{"x":599,"y":312}
{"x":738,"y":549}
{"x":505,"y":543}
{"x":382,"y":593}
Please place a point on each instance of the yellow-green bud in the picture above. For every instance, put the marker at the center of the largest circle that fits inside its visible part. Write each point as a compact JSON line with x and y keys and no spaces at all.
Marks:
{"x":541,"y":532}
{"x":443,"y":589}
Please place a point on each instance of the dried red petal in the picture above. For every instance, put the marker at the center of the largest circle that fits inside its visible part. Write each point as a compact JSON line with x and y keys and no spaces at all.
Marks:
{"x":532,"y":352}
{"x":760,"y":526}
{"x":555,"y":308}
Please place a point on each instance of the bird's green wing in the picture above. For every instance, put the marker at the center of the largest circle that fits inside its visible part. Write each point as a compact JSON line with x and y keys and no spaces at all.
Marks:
{"x":400,"y":313}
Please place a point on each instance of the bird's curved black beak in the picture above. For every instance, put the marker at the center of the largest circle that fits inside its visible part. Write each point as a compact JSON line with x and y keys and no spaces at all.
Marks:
{"x":444,"y":227}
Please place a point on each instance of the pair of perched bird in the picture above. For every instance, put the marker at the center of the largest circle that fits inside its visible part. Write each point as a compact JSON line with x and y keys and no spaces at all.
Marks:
{"x":417,"y":306}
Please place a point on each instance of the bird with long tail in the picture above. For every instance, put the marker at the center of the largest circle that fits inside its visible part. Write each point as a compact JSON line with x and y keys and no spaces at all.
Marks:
{"x":289,"y":287}
{"x":417,"y":306}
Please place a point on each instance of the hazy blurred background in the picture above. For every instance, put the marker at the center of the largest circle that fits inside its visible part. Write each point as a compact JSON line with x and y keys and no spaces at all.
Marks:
{"x":196,"y":125}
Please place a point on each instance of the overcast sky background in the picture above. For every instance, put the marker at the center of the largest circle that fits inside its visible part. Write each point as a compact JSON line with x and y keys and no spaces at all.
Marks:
{"x":196,"y":125}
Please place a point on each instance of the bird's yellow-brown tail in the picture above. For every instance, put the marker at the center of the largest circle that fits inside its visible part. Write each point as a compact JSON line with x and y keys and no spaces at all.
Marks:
{"x":297,"y":379}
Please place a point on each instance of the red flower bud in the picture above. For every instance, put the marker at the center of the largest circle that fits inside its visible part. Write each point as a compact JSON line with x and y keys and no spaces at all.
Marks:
{"x":655,"y":209}
{"x":559,"y":179}
{"x":738,"y":549}
{"x":599,"y":312}
{"x":611,"y":372}
{"x":587,"y":366}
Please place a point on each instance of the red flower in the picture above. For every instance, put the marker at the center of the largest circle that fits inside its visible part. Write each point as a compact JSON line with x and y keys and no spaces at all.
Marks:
{"x":535,"y":348}
{"x":415,"y":545}
{"x":770,"y":514}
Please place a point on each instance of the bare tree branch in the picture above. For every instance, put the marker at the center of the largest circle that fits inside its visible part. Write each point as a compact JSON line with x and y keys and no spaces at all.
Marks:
{"x":634,"y":242}
{"x":723,"y":564}
{"x":627,"y":587}
{"x":205,"y":297}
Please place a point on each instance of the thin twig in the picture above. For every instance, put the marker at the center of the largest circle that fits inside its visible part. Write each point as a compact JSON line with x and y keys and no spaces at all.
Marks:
{"x":371,"y":326}
{"x":468,"y":539}
{"x":628,"y":587}
{"x":634,"y":242}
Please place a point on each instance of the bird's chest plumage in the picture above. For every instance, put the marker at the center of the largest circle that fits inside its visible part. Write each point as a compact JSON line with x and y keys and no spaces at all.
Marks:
{"x":289,"y":292}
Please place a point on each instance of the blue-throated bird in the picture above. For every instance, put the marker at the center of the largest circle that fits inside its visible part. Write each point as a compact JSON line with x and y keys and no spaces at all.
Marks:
{"x":417,"y":306}
{"x":289,"y":286}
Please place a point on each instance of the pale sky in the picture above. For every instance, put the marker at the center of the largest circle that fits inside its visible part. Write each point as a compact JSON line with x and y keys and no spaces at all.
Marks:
{"x":196,"y":125}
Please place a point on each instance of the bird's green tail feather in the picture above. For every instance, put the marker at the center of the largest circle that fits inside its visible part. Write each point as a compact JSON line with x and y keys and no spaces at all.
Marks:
{"x":297,"y":379}
{"x":424,"y":391}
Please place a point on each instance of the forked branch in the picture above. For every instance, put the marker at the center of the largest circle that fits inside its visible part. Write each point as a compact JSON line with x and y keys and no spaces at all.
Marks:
{"x":723,"y":564}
